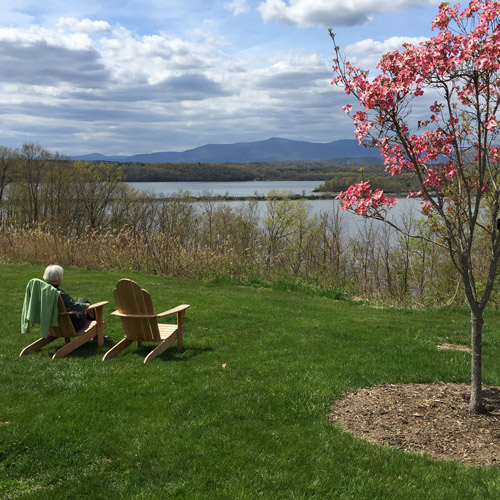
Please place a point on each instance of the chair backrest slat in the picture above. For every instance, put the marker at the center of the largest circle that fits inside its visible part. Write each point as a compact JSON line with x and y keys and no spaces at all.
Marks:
{"x":65,"y":327}
{"x":131,"y":299}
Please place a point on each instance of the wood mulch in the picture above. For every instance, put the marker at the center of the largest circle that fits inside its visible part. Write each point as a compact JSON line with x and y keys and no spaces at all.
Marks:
{"x":430,"y":419}
{"x":454,"y":347}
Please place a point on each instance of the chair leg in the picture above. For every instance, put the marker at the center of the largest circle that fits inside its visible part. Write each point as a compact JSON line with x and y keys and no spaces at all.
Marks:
{"x":100,"y":333}
{"x":160,"y":348}
{"x":180,"y":329}
{"x":116,"y":349}
{"x":180,"y":345}
{"x":100,"y":325}
{"x":74,"y":344}
{"x":38,"y":344}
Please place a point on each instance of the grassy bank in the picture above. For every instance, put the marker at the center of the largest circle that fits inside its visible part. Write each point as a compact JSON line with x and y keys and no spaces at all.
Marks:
{"x":186,"y":427}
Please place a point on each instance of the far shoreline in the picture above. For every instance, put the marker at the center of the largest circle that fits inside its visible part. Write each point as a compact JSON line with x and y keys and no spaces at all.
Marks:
{"x":278,"y":196}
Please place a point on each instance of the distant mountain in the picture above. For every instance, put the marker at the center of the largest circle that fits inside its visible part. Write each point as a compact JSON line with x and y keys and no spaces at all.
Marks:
{"x":99,"y":157}
{"x":274,"y":149}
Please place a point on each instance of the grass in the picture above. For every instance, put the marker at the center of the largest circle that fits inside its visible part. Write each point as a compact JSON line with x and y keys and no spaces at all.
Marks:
{"x":292,"y":286}
{"x":185,"y":427}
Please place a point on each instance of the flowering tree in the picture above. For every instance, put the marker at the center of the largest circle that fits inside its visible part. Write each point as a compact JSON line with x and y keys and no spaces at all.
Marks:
{"x":452,"y":150}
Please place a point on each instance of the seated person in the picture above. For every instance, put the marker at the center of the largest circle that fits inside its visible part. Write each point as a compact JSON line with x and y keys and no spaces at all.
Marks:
{"x":54,"y":275}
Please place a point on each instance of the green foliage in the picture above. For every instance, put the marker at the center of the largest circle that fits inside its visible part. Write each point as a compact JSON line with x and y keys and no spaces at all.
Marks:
{"x":187,"y":427}
{"x":64,"y":196}
{"x":291,"y":171}
{"x":378,"y":180}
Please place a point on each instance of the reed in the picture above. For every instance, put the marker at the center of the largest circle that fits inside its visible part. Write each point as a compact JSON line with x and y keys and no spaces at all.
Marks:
{"x":372,"y":266}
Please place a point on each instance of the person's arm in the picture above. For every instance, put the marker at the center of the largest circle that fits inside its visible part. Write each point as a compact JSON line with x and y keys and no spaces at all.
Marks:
{"x":71,"y":304}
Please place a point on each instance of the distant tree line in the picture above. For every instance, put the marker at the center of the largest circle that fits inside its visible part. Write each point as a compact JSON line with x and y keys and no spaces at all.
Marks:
{"x":213,"y":172}
{"x":337,"y":177}
{"x":379,"y":180}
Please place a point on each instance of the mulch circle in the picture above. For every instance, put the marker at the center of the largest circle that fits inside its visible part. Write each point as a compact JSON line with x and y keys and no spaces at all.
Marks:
{"x":430,"y":419}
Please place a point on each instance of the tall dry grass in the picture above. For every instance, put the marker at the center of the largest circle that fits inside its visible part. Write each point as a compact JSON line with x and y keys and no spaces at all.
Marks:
{"x":372,"y":265}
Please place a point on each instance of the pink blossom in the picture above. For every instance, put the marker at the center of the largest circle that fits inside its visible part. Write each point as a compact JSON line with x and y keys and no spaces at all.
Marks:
{"x":359,"y":117}
{"x":491,"y":123}
{"x":426,"y":207}
{"x":435,"y":108}
{"x":495,"y":155}
{"x":363,"y":200}
{"x":450,"y":172}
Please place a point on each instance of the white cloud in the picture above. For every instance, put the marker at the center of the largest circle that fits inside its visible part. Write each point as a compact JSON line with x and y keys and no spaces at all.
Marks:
{"x":331,"y":13}
{"x":36,"y":35}
{"x":158,"y":58}
{"x":367,"y":53}
{"x":238,"y":7}
{"x":41,"y":57}
{"x":289,"y":72}
{"x":83,"y":26}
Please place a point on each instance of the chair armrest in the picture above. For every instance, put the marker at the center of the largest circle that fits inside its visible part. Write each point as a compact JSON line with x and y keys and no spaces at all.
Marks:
{"x":92,"y":306}
{"x":175,"y":310}
{"x":128,"y":315}
{"x":161,"y":315}
{"x":97,"y":304}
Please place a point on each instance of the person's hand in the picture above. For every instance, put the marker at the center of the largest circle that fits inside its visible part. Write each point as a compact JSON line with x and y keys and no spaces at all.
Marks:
{"x":91,"y":313}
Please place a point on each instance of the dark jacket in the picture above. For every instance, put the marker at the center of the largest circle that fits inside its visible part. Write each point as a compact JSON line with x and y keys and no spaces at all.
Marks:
{"x":70,"y":303}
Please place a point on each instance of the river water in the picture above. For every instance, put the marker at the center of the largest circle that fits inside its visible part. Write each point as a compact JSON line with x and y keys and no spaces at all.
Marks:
{"x":234,"y":189}
{"x":353,"y":223}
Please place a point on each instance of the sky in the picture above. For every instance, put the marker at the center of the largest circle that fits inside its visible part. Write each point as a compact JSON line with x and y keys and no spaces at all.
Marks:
{"x":141,"y":76}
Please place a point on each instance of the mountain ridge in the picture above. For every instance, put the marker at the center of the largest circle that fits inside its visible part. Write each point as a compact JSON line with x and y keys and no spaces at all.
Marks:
{"x":269,"y":150}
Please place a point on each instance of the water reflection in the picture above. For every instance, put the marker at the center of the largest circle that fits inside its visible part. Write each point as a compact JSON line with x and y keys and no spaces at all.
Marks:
{"x":353,"y":223}
{"x":233,"y":189}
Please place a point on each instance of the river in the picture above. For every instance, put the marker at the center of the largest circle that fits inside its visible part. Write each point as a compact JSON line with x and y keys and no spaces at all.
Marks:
{"x":241,"y":189}
{"x":354,"y":223}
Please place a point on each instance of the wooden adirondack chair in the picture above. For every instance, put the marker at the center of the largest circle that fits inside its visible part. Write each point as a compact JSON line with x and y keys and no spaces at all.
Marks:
{"x":91,"y":328}
{"x":135,"y":308}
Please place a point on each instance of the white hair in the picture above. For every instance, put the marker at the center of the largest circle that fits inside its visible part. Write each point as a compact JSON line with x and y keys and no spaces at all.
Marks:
{"x":53,"y":274}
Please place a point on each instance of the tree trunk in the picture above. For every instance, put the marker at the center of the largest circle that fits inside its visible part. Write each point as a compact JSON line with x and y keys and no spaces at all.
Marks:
{"x":476,"y":395}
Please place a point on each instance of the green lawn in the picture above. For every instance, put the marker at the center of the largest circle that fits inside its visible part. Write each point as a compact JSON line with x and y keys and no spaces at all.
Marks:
{"x":185,"y":427}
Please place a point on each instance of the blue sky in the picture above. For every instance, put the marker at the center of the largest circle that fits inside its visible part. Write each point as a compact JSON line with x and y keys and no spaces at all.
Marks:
{"x":130,"y":76}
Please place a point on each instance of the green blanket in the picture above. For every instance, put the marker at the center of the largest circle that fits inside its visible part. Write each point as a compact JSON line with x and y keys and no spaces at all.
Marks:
{"x":40,"y":306}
